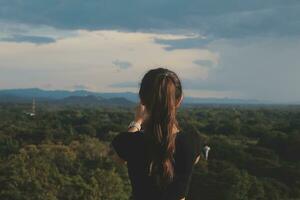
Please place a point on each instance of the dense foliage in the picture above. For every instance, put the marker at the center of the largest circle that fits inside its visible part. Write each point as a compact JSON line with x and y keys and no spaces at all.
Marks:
{"x":62,"y":153}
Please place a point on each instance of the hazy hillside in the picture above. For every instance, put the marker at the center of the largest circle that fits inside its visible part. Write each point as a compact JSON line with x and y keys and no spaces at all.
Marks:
{"x":42,"y":95}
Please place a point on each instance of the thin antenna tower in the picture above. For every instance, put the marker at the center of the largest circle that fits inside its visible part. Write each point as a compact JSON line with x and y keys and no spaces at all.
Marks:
{"x":33,"y":107}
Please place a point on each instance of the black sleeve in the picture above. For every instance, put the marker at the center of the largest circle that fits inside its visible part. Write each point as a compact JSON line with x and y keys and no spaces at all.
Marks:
{"x":188,"y":150}
{"x":123,"y":145}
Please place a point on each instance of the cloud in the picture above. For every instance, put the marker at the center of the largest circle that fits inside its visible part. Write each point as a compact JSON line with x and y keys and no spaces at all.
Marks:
{"x":122,"y":64}
{"x":125,"y":84}
{"x":80,"y":87}
{"x":90,"y":57}
{"x":204,"y":63}
{"x":220,"y":19}
{"x":244,"y":48}
{"x":28,"y":38}
{"x":209,"y":85}
{"x":17,"y":32}
{"x":260,"y":68}
{"x":185,"y":43}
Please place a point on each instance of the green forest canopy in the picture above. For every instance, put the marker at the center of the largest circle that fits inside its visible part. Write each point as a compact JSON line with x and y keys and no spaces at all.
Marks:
{"x":63,"y":153}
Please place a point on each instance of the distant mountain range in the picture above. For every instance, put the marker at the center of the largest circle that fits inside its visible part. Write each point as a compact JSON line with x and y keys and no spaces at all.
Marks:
{"x":64,"y":97}
{"x":98,"y":98}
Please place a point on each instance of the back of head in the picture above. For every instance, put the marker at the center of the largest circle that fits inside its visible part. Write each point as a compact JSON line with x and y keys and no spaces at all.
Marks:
{"x":161,"y":93}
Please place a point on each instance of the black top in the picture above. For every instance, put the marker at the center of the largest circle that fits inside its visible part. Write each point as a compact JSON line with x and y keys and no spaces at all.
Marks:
{"x":130,"y":146}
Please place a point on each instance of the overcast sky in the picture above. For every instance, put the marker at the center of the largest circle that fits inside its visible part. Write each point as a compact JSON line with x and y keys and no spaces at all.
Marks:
{"x":234,"y":49}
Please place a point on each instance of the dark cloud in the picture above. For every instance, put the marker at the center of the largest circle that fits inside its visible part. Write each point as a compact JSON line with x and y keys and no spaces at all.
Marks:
{"x":188,"y":43}
{"x":221,"y":19}
{"x":28,"y":38}
{"x":122,"y":64}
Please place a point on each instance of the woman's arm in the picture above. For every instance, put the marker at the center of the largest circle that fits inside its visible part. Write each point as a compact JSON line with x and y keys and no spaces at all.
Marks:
{"x":139,"y":117}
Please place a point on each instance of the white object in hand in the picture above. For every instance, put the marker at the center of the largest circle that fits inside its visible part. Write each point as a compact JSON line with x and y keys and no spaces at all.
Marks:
{"x":206,"y":149}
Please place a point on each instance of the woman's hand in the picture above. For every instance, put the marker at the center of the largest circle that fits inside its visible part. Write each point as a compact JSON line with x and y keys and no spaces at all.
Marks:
{"x":139,"y":117}
{"x":140,"y":113}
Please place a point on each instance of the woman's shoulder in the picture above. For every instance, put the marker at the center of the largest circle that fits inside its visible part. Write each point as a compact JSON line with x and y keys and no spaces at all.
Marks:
{"x":126,"y":143}
{"x":126,"y":137}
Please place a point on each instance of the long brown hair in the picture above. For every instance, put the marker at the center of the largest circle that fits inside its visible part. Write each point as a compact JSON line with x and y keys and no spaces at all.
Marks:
{"x":160,"y":91}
